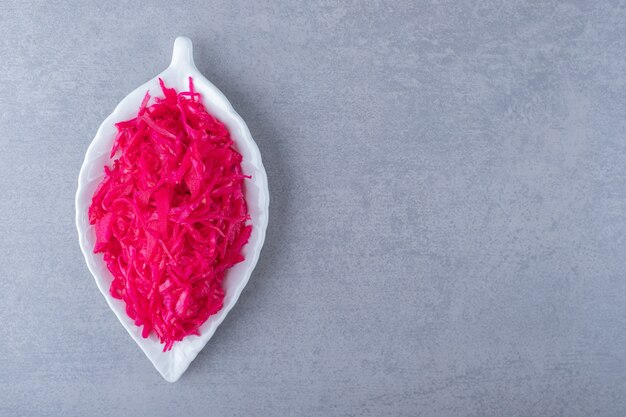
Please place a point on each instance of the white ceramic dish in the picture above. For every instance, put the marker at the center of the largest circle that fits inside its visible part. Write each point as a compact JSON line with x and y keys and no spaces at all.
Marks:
{"x":171,"y":365}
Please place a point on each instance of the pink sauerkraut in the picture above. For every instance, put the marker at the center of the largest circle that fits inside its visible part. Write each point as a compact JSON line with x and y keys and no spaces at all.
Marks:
{"x":170,"y":214}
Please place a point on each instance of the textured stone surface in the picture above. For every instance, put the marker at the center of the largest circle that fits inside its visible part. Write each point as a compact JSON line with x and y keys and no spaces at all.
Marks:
{"x":447,"y":230}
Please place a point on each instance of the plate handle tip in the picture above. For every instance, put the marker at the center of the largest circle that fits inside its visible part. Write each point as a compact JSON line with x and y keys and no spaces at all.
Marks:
{"x":182,"y":55}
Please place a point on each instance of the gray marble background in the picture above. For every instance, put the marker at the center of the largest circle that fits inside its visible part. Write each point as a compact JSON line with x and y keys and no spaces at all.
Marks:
{"x":447,"y":229}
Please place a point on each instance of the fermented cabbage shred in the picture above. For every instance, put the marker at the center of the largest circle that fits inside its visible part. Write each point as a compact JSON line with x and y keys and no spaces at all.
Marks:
{"x":170,"y":215}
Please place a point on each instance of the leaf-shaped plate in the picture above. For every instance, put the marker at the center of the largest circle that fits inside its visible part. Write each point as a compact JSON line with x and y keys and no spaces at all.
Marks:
{"x":172,"y":364}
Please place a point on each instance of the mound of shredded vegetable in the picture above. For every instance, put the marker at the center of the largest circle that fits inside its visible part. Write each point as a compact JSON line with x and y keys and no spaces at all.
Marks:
{"x":170,"y":215}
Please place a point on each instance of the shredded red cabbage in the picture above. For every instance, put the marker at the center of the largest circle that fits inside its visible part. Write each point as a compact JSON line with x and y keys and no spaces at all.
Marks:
{"x":170,"y":215}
